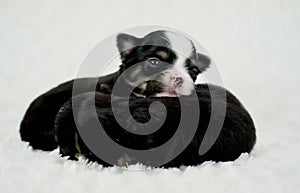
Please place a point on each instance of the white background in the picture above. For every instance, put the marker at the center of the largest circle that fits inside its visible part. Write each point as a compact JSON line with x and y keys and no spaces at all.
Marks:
{"x":255,"y":44}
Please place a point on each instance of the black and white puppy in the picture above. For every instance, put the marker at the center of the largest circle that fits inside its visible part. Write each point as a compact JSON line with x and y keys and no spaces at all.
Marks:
{"x":151,"y":57}
{"x":160,"y":66}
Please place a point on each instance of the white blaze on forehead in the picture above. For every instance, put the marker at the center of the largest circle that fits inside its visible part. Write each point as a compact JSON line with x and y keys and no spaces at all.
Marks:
{"x":183,"y":48}
{"x":180,"y":44}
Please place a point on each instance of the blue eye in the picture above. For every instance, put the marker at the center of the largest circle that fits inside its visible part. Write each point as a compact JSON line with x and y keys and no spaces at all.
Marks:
{"x":154,"y":61}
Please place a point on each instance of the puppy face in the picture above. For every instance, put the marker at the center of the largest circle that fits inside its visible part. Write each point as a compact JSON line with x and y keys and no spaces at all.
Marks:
{"x":160,"y":64}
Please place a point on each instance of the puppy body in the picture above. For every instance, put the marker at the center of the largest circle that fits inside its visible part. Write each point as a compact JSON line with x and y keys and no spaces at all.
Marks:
{"x":237,"y":135}
{"x":155,"y":67}
{"x":38,"y":123}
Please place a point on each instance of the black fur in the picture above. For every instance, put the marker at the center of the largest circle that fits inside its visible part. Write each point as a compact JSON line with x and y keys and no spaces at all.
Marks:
{"x":237,"y":135}
{"x":37,"y":124}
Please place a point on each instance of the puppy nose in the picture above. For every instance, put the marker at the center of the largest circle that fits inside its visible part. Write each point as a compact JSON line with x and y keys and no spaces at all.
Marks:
{"x":178,"y":81}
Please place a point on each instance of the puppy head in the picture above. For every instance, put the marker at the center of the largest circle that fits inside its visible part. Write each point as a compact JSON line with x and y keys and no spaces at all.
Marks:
{"x":161,"y":63}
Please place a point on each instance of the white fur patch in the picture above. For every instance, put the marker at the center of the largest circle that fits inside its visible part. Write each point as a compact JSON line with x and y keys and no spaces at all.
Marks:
{"x":187,"y":86}
{"x":184,"y":48}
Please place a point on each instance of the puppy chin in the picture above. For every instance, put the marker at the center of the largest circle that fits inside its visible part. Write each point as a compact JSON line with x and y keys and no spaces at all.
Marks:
{"x":173,"y":91}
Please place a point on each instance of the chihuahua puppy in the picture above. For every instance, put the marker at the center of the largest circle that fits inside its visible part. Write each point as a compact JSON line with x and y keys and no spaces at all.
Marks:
{"x":161,"y":66}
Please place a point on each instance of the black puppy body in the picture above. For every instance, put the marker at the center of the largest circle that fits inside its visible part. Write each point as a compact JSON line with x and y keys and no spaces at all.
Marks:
{"x":38,"y":123}
{"x":237,"y":134}
{"x":153,"y":68}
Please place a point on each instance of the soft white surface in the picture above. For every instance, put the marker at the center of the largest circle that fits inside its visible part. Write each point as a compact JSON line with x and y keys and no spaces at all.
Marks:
{"x":255,"y":44}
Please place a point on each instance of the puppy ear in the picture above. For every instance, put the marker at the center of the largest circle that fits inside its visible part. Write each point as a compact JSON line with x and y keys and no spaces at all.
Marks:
{"x":125,"y":44}
{"x":203,"y":62}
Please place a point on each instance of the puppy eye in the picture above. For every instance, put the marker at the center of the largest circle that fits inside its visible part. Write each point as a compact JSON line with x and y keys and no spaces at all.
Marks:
{"x":154,"y":61}
{"x":195,"y":71}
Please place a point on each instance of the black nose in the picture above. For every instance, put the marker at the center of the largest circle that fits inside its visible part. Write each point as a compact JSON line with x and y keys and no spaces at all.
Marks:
{"x":179,"y":81}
